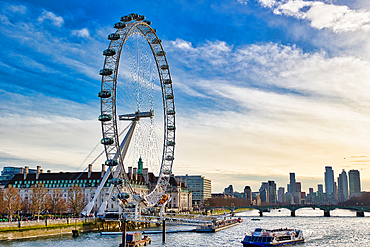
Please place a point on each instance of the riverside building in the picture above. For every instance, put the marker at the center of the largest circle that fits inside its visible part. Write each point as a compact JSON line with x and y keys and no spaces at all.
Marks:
{"x":89,"y":181}
{"x":342,"y":187}
{"x":199,"y":186}
{"x":354,"y":182}
{"x":329,"y":181}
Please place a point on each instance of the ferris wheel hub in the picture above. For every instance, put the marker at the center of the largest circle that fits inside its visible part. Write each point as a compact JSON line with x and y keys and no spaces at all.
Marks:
{"x":137,"y":115}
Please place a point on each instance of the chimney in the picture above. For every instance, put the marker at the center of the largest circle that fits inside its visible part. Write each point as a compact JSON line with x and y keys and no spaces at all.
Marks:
{"x":145,"y":175}
{"x":48,"y":171}
{"x":25,"y":172}
{"x":178,"y":181}
{"x":129,"y":171}
{"x":134,"y":173}
{"x":89,"y":171}
{"x":38,"y":171}
{"x":102,"y":170}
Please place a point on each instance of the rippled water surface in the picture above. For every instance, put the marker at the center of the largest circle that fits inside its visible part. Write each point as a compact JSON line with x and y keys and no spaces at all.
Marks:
{"x":343,"y":228}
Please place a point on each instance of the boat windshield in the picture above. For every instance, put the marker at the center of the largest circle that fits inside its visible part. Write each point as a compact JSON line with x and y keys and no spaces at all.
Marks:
{"x":257,"y":239}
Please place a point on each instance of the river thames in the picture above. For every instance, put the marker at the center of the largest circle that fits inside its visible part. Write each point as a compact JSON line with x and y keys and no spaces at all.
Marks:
{"x":343,"y":228}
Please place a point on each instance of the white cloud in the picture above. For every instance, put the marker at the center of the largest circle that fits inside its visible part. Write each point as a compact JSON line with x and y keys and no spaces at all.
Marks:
{"x":56,"y":20}
{"x":182,"y":44}
{"x":17,"y":9}
{"x":83,"y":33}
{"x":56,"y":49}
{"x":41,"y":130}
{"x":281,"y":108}
{"x":268,"y":3}
{"x":322,"y":15}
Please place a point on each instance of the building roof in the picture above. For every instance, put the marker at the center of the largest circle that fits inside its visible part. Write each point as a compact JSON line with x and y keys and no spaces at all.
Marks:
{"x":82,"y":178}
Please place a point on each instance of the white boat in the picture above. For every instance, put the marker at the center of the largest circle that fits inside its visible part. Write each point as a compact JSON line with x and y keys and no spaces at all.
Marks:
{"x":276,"y":237}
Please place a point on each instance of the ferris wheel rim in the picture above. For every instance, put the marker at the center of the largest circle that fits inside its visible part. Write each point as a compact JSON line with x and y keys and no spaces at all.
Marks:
{"x":142,"y":28}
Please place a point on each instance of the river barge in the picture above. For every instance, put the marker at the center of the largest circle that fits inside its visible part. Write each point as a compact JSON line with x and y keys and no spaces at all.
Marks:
{"x":217,"y":225}
{"x":277,"y":237}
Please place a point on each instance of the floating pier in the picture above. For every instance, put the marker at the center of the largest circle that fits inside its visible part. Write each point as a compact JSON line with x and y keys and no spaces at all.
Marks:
{"x":150,"y":232}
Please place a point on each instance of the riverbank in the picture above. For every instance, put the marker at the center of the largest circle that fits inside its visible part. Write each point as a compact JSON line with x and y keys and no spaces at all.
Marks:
{"x":34,"y":229}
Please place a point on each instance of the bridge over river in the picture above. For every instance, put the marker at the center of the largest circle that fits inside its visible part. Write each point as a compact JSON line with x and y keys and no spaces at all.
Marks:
{"x":360,"y":210}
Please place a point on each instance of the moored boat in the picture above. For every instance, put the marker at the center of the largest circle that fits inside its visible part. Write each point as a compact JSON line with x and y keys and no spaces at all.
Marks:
{"x":277,"y":237}
{"x":135,"y":239}
{"x":217,"y":225}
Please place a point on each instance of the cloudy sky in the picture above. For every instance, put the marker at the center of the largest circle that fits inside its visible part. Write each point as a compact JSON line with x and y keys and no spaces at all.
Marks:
{"x":262,"y":87}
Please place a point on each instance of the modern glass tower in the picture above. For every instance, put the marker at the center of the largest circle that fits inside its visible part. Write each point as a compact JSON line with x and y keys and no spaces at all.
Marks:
{"x":292,"y":188}
{"x":329,"y":181}
{"x":354,"y":182}
{"x":342,"y":186}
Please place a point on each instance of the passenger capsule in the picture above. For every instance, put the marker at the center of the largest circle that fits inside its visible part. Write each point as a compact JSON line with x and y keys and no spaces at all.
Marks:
{"x":123,"y":196}
{"x":105,"y":117}
{"x":171,"y":112}
{"x":107,"y":141}
{"x":167,"y":81}
{"x":147,"y":22}
{"x":156,"y":41}
{"x":109,"y":52}
{"x":171,"y":127}
{"x":126,"y":18}
{"x":106,"y":71}
{"x":111,"y":162}
{"x":117,"y":181}
{"x":169,"y":96}
{"x":119,"y":25}
{"x":161,"y":53}
{"x":170,"y":143}
{"x":114,"y":36}
{"x":134,"y":16}
{"x":167,"y":172}
{"x":163,"y":199}
{"x":140,"y":18}
{"x":154,"y":30}
{"x":104,"y":94}
{"x":169,"y":157}
{"x":165,"y":66}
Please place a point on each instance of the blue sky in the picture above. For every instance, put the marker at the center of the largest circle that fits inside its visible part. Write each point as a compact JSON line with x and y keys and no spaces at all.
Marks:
{"x":262,"y":87}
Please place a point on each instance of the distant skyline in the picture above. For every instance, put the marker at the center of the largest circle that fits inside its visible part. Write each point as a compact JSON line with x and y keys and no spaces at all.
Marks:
{"x":262,"y":87}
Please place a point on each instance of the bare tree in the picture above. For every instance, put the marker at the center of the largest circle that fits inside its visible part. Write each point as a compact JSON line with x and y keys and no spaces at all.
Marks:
{"x":76,"y":200}
{"x":55,"y":201}
{"x":2,"y":202}
{"x":12,"y":201}
{"x":38,"y":199}
{"x":62,"y":206}
{"x":25,"y":206}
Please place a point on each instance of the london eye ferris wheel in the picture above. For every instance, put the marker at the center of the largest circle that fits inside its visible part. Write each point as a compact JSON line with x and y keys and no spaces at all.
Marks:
{"x":137,"y":109}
